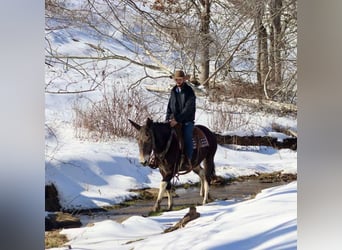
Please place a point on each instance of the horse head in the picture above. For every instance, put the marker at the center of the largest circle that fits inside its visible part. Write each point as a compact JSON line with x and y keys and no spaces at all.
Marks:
{"x":145,"y":140}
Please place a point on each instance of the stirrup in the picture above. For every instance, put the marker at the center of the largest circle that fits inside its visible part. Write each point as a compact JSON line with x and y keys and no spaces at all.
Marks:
{"x":189,"y":164}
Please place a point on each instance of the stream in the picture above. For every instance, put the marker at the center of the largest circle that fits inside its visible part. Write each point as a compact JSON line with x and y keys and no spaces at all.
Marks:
{"x":238,"y":191}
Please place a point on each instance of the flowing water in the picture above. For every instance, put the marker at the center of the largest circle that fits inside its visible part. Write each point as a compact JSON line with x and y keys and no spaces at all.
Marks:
{"x":237,"y":191}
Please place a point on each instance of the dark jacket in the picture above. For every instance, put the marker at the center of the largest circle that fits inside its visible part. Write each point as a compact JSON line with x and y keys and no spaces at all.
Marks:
{"x":182,"y":106}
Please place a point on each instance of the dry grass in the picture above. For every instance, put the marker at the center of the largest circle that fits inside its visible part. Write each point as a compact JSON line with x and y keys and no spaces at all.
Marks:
{"x":54,"y":239}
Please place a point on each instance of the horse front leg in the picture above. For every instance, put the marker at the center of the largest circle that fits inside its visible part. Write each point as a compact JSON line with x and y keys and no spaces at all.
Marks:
{"x":162,"y":189}
{"x":164,"y":186}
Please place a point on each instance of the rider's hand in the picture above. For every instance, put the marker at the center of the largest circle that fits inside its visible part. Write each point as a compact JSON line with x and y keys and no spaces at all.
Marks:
{"x":173,"y":122}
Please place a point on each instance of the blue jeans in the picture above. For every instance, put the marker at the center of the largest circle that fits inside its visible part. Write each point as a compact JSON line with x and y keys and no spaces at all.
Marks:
{"x":188,"y":129}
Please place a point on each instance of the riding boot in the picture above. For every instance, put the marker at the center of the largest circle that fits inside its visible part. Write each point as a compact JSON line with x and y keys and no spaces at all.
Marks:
{"x":182,"y":163}
{"x":185,"y":163}
{"x":189,"y":163}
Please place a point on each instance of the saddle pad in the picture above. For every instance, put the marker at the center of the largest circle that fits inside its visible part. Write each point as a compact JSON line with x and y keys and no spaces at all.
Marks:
{"x":199,"y":136}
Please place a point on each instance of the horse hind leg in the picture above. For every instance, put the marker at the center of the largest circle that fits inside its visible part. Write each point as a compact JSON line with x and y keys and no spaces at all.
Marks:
{"x":204,"y":189}
{"x":169,"y":199}
{"x":209,"y":173}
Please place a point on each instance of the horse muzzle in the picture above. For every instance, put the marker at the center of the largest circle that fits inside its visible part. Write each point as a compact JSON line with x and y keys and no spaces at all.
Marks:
{"x":144,"y":159}
{"x":149,"y":160}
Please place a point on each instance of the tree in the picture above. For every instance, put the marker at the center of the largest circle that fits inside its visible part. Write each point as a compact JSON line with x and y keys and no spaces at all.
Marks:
{"x":205,"y":40}
{"x":276,"y":33}
{"x":217,"y":42}
{"x":277,"y":29}
{"x":89,"y":70}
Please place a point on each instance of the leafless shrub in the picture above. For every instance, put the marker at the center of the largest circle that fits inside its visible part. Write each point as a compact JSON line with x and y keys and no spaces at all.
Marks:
{"x":227,"y":91}
{"x":224,"y":118}
{"x":108,"y":118}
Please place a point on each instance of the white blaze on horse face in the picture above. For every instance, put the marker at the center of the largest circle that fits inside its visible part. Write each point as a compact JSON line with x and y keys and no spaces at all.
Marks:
{"x":144,"y":152}
{"x":143,"y":158}
{"x":145,"y":145}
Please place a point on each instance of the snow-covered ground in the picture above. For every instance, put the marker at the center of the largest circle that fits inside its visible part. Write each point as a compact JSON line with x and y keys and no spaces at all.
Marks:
{"x":89,"y":174}
{"x":267,"y":222}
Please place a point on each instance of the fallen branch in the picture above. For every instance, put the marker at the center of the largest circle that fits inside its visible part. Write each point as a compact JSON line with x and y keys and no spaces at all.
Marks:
{"x":191,"y":215}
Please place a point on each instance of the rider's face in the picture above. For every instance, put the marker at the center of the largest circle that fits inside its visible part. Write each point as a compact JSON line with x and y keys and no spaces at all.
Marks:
{"x":179,"y":81}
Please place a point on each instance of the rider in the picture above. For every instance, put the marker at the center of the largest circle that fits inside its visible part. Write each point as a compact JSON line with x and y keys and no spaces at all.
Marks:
{"x":181,"y":109}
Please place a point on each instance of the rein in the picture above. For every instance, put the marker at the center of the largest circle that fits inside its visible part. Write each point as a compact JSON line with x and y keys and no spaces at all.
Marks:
{"x":168,"y":144}
{"x":161,"y":156}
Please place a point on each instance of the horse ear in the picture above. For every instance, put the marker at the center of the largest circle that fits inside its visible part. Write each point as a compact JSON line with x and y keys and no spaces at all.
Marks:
{"x":149,"y":122}
{"x":137,"y":126}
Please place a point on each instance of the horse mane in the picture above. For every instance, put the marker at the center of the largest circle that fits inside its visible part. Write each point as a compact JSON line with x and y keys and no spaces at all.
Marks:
{"x":162,"y":125}
{"x":162,"y":132}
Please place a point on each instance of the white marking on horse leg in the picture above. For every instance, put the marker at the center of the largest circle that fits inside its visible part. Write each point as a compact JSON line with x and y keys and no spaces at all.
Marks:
{"x":169,"y":199}
{"x":162,"y":189}
{"x":202,"y":178}
{"x":206,"y":191}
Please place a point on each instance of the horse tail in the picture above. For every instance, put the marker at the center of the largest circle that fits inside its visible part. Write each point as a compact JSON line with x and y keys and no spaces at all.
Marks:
{"x":209,"y":158}
{"x":209,"y":168}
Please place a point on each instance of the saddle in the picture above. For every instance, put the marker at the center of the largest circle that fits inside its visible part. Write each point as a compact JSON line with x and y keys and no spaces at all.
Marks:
{"x":199,"y":140}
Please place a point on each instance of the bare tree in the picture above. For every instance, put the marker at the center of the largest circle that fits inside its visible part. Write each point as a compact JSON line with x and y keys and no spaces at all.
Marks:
{"x":276,"y":40}
{"x":86,"y":71}
{"x":276,"y":36}
{"x":217,"y":42}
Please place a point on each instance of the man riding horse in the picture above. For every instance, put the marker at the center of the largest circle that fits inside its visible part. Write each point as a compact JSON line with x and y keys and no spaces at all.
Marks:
{"x":160,"y":148}
{"x":180,"y":114}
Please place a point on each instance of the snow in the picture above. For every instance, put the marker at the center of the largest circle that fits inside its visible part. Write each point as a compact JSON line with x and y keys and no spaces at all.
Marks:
{"x":91,"y":174}
{"x":269,"y":221}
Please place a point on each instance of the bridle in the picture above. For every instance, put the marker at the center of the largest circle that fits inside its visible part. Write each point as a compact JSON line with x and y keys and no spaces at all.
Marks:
{"x":162,"y":154}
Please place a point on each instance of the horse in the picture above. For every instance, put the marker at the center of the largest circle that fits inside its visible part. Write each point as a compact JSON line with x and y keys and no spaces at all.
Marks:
{"x":159,"y":148}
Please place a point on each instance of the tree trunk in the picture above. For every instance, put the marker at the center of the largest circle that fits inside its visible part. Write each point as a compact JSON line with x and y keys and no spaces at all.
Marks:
{"x":205,"y":41}
{"x":271,"y":55}
{"x":262,"y":59}
{"x":251,"y":140}
{"x":276,"y":13}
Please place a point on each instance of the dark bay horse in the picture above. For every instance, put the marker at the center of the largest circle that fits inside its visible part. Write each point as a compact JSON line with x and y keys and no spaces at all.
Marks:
{"x":158,"y":143}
